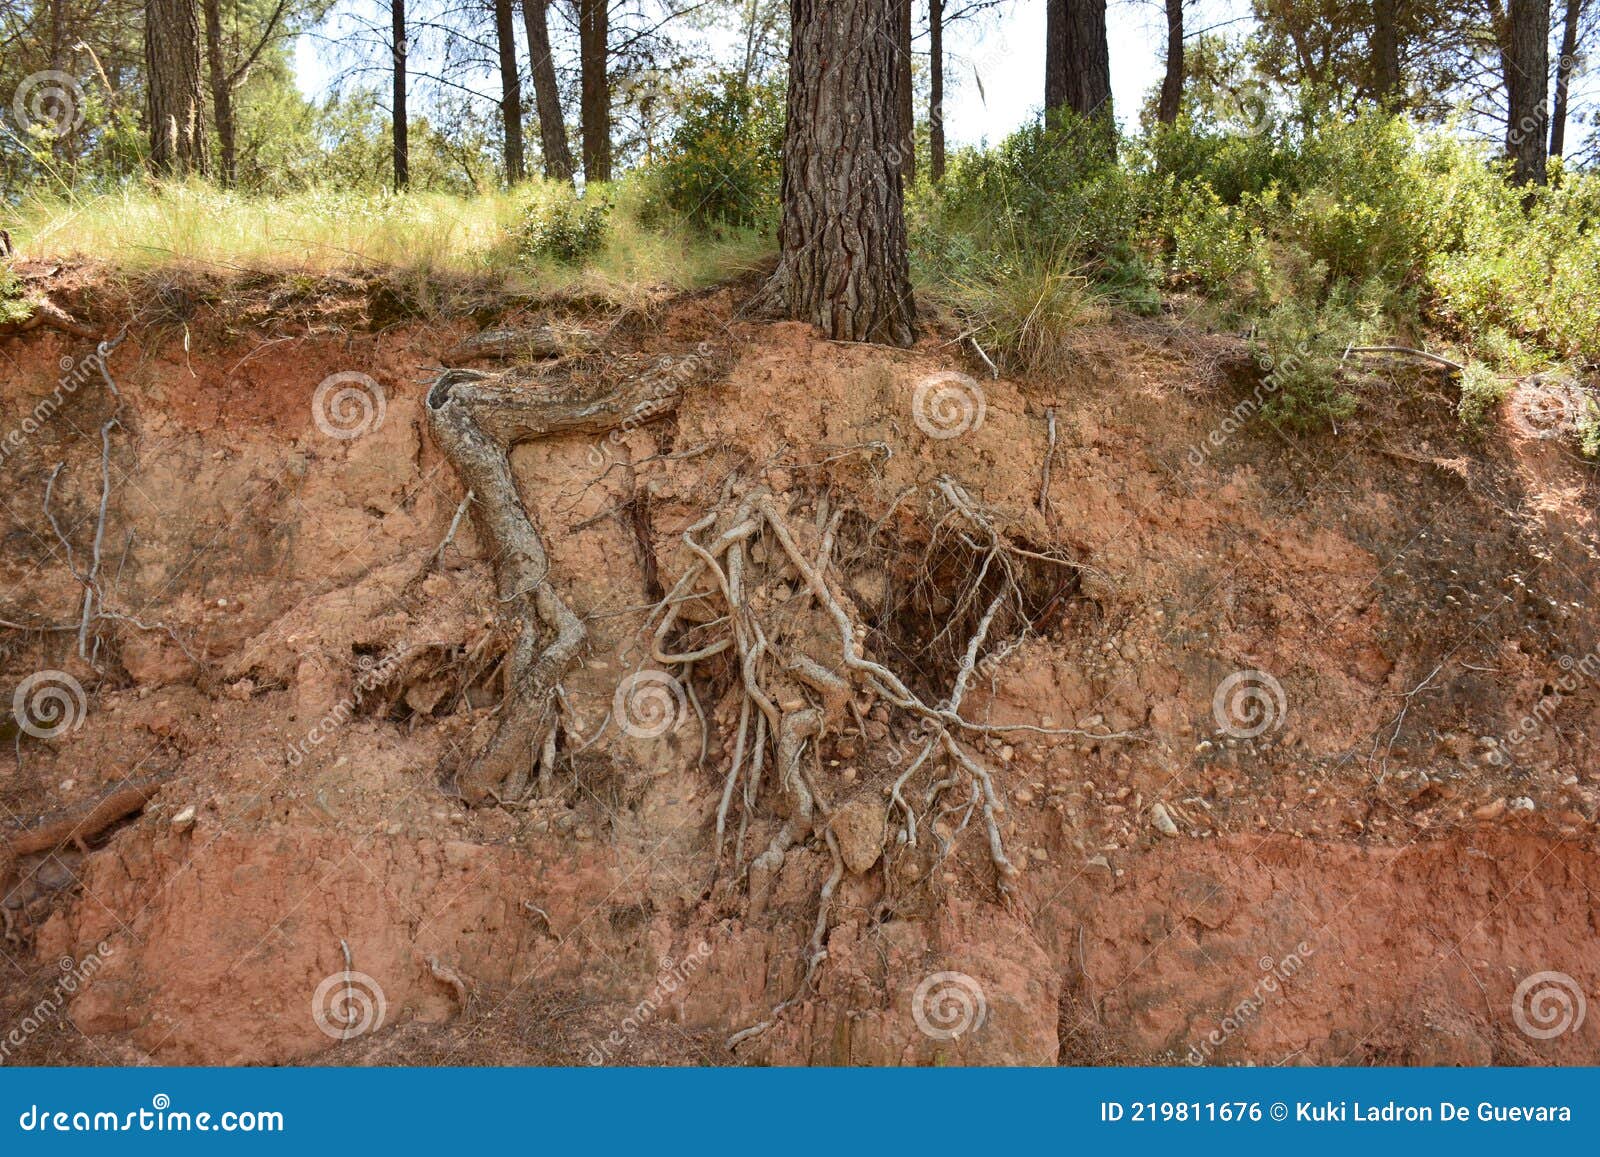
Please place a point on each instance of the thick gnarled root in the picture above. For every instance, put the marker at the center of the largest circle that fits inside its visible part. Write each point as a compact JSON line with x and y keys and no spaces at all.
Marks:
{"x":476,"y":420}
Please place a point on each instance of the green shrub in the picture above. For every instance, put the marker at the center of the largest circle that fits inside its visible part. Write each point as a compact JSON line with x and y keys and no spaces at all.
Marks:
{"x":559,"y":227}
{"x":14,"y":304}
{"x":1300,"y":347}
{"x":1481,"y":391}
{"x":724,"y":164}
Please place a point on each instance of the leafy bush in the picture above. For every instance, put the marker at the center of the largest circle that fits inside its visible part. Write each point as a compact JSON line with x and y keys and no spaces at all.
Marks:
{"x":1300,"y":348}
{"x":559,"y":227}
{"x":723,"y":164}
{"x":14,"y":304}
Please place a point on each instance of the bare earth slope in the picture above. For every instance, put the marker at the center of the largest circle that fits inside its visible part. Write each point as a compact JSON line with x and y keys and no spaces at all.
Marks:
{"x":1315,"y":779}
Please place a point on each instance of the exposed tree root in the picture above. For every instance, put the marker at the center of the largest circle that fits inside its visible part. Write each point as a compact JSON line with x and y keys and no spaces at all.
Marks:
{"x":476,"y":420}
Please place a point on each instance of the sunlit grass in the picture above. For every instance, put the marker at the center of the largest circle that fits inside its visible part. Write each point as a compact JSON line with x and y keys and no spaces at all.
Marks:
{"x":323,"y":231}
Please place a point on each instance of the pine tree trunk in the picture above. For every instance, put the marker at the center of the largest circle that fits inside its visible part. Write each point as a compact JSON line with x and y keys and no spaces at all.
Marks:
{"x":1172,"y":80}
{"x":1385,"y":52}
{"x":595,"y":102}
{"x":400,"y":127}
{"x":1565,"y":65}
{"x":842,"y":240}
{"x":1526,"y":56}
{"x":905,"y":99}
{"x":936,"y":90}
{"x":1077,"y":68}
{"x":505,"y":37}
{"x":174,"y":104}
{"x":221,"y":92}
{"x":546,"y":93}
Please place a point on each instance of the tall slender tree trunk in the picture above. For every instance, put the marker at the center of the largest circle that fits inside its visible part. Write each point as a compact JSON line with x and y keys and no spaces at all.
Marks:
{"x":1172,"y":79}
{"x":401,"y":124}
{"x":173,"y":100}
{"x":595,"y":98}
{"x":1077,"y":68}
{"x":505,"y":37}
{"x":546,"y":93}
{"x":1566,"y":63}
{"x":842,"y":241}
{"x":221,"y":93}
{"x":1385,"y":52}
{"x":936,"y":90}
{"x":905,"y":101}
{"x":1526,"y":55}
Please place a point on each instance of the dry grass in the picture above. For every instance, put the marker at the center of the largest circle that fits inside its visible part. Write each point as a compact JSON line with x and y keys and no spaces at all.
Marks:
{"x":145,"y":228}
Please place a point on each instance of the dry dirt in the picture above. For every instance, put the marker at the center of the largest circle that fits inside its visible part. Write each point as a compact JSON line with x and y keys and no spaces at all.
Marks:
{"x":1368,"y":880}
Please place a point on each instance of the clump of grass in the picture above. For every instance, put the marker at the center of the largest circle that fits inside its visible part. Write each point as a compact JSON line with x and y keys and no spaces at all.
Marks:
{"x":1028,"y":308}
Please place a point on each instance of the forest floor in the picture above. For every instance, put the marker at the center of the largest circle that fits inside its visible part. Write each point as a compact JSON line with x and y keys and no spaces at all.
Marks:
{"x":1312,"y":772}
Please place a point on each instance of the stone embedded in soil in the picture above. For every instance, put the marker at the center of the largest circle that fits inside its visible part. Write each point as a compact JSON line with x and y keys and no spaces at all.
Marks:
{"x":858,"y":827}
{"x":1162,"y":821}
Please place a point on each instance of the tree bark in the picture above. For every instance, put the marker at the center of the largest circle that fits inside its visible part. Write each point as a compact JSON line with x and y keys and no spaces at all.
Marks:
{"x":546,"y":93}
{"x":1526,"y":56}
{"x":1385,"y":52}
{"x":174,"y":105}
{"x":1172,"y":80}
{"x":1077,"y":69}
{"x":595,"y":102}
{"x":400,"y":123}
{"x":221,"y":94}
{"x":936,"y":90}
{"x":906,"y":137}
{"x":510,"y":89}
{"x":1566,"y":63}
{"x":842,"y":240}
